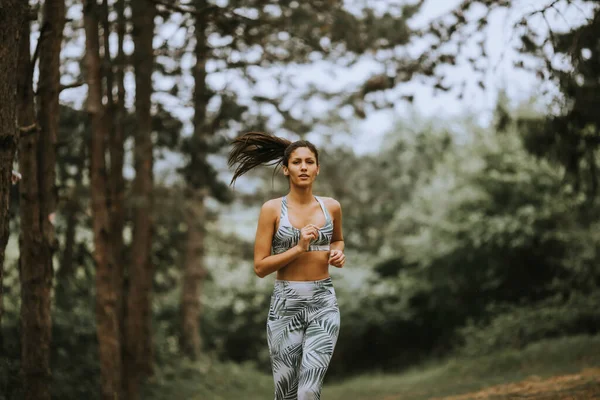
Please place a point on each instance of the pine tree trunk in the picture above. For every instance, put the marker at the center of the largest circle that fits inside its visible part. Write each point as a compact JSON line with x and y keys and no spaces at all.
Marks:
{"x":37,"y":158}
{"x":139,"y":354}
{"x":116,"y":183}
{"x":193,"y":276}
{"x":194,"y":270}
{"x":117,"y":156}
{"x":106,"y":302}
{"x":116,"y":150}
{"x":13,"y":14}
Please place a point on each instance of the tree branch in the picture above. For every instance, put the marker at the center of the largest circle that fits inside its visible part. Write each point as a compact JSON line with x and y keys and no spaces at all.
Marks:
{"x":187,"y":9}
{"x":29,"y":128}
{"x":36,"y":52}
{"x":72,"y":85}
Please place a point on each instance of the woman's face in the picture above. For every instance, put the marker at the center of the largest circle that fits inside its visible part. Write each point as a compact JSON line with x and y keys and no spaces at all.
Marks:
{"x":302,"y":167}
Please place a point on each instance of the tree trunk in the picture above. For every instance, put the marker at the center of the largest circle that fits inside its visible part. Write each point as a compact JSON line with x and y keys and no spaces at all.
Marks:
{"x":117,"y":156}
{"x":106,"y":301}
{"x":139,"y":338}
{"x":116,"y":183}
{"x":13,"y":14}
{"x":117,"y":188}
{"x":194,"y":271}
{"x":37,"y":156}
{"x":114,"y":120}
{"x":193,"y":276}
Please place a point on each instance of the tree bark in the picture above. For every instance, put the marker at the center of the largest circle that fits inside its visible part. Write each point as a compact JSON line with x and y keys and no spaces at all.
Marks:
{"x":13,"y":14}
{"x":194,"y":271}
{"x":116,"y":183}
{"x":106,"y":302}
{"x":193,"y":276}
{"x":37,"y":157}
{"x":117,"y":157}
{"x":114,"y":120}
{"x":117,"y":188}
{"x":138,"y":327}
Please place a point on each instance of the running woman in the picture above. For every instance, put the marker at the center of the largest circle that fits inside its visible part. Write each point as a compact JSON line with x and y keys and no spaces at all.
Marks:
{"x":298,"y":236}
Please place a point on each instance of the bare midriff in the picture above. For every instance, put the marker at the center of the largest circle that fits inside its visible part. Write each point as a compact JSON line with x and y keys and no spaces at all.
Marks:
{"x":309,"y":266}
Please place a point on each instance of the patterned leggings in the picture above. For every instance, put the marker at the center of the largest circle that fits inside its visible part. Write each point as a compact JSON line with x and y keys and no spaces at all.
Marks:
{"x":302,"y":330}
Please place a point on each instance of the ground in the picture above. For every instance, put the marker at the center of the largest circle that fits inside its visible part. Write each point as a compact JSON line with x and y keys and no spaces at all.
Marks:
{"x":580,"y":386}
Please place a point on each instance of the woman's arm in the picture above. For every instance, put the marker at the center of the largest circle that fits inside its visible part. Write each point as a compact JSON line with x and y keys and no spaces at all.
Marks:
{"x":337,"y":258}
{"x":264,"y":262}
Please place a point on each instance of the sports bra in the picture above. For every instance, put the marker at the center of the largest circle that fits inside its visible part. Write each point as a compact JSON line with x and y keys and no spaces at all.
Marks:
{"x":288,"y":236}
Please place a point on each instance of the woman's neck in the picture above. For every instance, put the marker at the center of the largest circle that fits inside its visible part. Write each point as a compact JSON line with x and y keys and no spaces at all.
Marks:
{"x":301,"y":195}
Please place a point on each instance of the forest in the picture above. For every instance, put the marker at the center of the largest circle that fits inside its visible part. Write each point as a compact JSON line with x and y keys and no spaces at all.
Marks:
{"x":472,"y":238}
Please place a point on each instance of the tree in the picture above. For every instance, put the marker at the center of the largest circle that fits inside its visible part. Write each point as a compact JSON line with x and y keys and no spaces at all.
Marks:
{"x":37,"y":156}
{"x":570,"y":136}
{"x":107,"y":318}
{"x":138,"y":331}
{"x":13,"y":14}
{"x":116,"y":151}
{"x":194,"y":271}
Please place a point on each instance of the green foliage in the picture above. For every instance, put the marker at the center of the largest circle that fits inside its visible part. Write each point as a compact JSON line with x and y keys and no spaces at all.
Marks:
{"x":555,"y":317}
{"x":234,"y":326}
{"x":493,"y":224}
{"x":208,"y":379}
{"x":374,"y":187}
{"x":75,"y":364}
{"x":11,"y":387}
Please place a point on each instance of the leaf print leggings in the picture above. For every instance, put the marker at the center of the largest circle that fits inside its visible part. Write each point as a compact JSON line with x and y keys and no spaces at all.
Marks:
{"x":302,"y":329}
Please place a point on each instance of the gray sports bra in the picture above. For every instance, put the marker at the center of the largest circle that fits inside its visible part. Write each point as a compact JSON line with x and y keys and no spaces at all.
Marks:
{"x":287,"y":236}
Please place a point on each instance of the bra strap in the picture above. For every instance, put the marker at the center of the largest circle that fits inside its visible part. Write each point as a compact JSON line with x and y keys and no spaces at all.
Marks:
{"x":327,"y":216}
{"x":283,"y":217}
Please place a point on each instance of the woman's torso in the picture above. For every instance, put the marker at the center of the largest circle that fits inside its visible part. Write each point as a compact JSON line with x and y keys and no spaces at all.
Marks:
{"x":313,"y":264}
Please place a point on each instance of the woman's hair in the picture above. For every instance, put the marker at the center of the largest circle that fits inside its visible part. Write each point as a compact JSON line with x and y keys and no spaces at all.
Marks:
{"x":256,"y":148}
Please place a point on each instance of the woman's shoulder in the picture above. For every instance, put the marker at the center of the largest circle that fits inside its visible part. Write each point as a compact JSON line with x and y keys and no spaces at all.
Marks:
{"x":272,"y":204}
{"x":330,"y":202}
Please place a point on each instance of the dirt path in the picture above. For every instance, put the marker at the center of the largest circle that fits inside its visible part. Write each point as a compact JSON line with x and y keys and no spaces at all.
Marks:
{"x":582,"y":386}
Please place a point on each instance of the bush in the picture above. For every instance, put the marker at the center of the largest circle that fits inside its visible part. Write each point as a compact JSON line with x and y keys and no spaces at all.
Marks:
{"x":517,"y":327}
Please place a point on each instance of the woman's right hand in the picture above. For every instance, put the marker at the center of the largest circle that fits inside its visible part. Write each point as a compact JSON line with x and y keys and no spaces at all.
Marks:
{"x":308,"y":233}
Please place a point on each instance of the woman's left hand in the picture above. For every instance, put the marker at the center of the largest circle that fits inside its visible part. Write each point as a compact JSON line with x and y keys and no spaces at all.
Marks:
{"x":337,"y":258}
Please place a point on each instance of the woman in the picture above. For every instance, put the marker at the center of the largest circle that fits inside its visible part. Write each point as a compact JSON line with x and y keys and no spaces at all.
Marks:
{"x":298,"y":236}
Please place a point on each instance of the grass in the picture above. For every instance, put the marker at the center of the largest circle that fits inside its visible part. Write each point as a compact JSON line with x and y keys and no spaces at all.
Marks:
{"x":210,"y":381}
{"x":538,"y":361}
{"x":451,"y":377}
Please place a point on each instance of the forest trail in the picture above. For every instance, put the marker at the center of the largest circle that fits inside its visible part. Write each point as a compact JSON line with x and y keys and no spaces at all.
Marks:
{"x":580,"y":386}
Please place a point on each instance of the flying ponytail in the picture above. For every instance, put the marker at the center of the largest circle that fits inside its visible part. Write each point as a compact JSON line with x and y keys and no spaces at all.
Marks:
{"x":256,"y":148}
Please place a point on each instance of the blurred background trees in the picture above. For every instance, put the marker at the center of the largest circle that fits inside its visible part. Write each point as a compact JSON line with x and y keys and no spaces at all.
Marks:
{"x":130,"y":257}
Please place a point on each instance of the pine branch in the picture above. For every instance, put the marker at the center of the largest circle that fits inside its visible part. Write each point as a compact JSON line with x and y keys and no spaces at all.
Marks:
{"x":186,"y":9}
{"x":72,"y":85}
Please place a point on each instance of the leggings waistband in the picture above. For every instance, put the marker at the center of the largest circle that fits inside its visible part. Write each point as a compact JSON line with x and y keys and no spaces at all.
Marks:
{"x":303,"y":289}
